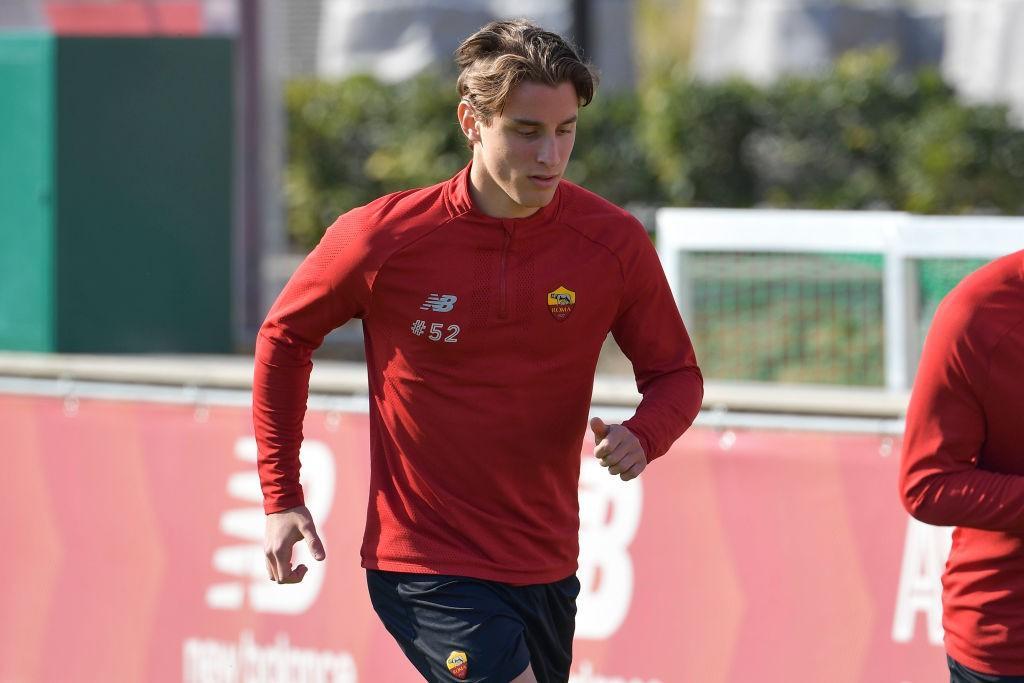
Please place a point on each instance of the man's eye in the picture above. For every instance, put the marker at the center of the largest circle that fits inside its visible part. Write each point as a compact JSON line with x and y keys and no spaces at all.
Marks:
{"x":527,"y":133}
{"x":565,"y":131}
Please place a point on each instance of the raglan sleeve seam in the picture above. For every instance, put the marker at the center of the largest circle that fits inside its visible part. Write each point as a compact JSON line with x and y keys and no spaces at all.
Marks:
{"x":614,"y":254}
{"x":400,"y":248}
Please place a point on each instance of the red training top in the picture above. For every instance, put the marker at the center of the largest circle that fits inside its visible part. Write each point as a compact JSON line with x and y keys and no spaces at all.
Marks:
{"x":482,"y":337}
{"x":963,"y":462}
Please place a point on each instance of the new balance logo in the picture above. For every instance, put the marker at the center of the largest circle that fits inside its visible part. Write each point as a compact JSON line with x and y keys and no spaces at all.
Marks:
{"x":241,"y":559}
{"x":439,"y":303}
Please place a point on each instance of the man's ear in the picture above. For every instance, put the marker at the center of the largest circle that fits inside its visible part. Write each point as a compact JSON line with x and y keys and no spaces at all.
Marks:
{"x":469,"y":122}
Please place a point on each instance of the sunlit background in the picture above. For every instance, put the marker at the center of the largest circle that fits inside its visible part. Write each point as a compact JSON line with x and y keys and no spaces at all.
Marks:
{"x":816,"y":176}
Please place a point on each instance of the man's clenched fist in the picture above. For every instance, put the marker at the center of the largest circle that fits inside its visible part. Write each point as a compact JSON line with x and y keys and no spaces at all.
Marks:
{"x":618,"y":450}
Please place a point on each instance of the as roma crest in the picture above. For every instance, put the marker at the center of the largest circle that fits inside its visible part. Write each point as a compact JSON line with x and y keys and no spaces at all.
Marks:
{"x":458,"y":664}
{"x":561,"y":302}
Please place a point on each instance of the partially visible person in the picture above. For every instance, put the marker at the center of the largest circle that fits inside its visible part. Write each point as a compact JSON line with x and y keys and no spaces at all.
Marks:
{"x":963,"y":466}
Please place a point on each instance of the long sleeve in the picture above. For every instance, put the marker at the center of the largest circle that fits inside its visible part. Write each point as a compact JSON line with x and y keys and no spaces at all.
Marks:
{"x":650,"y":332}
{"x":331,"y":287}
{"x":940,"y":479}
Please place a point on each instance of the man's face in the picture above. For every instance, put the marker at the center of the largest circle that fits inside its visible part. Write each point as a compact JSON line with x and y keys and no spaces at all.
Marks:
{"x":519,"y":158}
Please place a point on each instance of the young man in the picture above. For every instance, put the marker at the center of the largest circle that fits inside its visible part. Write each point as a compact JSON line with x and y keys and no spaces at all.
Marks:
{"x":485,"y":301}
{"x":963,"y":466}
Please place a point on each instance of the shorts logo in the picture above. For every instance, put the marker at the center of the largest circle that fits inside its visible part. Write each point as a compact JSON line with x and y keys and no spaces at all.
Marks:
{"x":458,"y":664}
{"x":439,"y":303}
{"x":561,"y":302}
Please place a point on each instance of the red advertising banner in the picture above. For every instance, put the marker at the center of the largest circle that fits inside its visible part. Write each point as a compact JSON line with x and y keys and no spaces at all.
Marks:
{"x":135,"y":532}
{"x":125,"y":17}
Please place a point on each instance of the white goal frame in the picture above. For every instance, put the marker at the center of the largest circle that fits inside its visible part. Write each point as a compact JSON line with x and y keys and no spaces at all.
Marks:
{"x":900,"y":238}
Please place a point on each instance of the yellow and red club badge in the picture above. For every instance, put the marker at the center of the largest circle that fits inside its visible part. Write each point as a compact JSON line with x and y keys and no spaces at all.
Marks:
{"x":458,"y":664}
{"x":561,"y":302}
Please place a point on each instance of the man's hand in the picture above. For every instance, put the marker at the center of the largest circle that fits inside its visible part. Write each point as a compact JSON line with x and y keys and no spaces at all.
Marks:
{"x":284,"y":530}
{"x":618,"y":450}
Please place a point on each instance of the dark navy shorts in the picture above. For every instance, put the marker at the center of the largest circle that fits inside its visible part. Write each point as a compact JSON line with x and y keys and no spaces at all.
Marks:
{"x":454,"y":628}
{"x":958,"y":673}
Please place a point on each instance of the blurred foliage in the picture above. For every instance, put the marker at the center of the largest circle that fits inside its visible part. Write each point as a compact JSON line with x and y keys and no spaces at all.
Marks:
{"x":352,"y":141}
{"x":831,"y":143}
{"x":695,"y":134}
{"x":606,"y":158}
{"x":956,"y":159}
{"x":861,"y":136}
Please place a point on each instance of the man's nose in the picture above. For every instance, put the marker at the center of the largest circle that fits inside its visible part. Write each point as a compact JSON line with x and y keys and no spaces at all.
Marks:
{"x":547,"y":151}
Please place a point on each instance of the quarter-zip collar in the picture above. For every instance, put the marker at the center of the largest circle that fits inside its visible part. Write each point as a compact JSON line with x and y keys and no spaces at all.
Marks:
{"x":460,"y":203}
{"x":503,"y":269}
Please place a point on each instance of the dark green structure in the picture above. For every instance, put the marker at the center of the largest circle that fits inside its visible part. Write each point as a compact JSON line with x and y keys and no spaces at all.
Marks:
{"x":115,"y":194}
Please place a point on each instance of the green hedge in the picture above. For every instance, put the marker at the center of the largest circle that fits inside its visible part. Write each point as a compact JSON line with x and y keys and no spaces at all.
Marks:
{"x":863,"y":136}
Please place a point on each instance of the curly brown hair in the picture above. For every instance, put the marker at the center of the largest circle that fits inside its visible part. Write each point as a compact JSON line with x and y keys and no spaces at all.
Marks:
{"x":503,"y":54}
